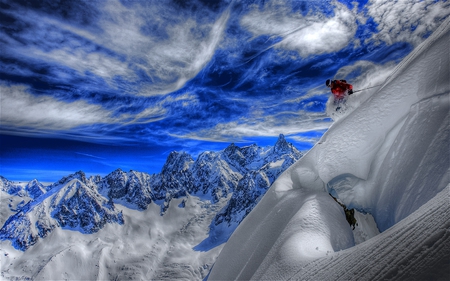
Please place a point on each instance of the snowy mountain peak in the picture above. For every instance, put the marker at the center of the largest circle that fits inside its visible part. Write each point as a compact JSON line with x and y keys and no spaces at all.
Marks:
{"x":71,"y":205}
{"x":35,"y":189}
{"x":282,"y":145}
{"x":76,"y":206}
{"x":9,"y":186}
{"x":80,"y":175}
{"x":86,"y":205}
{"x":131,"y":189}
{"x":234,"y":154}
{"x":177,"y":162}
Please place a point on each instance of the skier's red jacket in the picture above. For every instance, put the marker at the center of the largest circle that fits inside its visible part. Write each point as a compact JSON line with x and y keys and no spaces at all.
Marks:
{"x":339,"y":88}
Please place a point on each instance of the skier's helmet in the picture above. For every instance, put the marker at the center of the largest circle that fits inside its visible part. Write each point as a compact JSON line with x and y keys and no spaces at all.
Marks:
{"x":328,"y":82}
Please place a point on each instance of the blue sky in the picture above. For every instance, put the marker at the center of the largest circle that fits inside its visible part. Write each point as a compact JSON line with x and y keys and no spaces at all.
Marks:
{"x":100,"y":85}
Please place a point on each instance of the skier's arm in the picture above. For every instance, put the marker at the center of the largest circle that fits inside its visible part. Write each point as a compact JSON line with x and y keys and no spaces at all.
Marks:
{"x":350,"y":89}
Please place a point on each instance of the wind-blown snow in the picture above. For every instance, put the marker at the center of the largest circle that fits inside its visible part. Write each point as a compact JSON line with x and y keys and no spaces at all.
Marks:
{"x":388,"y":157}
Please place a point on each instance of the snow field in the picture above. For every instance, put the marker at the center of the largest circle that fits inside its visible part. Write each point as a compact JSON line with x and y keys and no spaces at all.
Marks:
{"x":142,"y":248}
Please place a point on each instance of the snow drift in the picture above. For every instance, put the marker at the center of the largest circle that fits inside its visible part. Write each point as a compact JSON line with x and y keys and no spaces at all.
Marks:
{"x":390,"y":158}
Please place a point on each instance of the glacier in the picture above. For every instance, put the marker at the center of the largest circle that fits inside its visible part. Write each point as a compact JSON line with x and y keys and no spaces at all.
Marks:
{"x":388,"y":157}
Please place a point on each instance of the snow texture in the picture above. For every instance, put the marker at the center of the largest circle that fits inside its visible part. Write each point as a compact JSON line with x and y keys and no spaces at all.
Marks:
{"x":389,"y":157}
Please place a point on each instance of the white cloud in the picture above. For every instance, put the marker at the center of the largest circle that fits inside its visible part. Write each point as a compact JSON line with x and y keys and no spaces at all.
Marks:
{"x":100,"y":64}
{"x":48,"y":33}
{"x":395,"y":19}
{"x":19,"y":108}
{"x":308,"y":35}
{"x":29,"y":114}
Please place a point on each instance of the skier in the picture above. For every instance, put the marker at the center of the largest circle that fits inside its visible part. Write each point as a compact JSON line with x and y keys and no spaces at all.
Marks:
{"x":339,"y":89}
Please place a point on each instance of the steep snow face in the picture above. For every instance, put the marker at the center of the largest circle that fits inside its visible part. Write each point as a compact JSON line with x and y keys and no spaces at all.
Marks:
{"x":388,"y":157}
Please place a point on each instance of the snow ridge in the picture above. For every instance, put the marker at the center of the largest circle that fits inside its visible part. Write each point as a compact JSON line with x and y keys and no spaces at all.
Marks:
{"x":388,"y":157}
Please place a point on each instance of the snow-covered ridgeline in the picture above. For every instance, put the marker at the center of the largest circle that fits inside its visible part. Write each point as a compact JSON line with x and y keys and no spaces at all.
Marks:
{"x":388,"y":157}
{"x":87,"y":204}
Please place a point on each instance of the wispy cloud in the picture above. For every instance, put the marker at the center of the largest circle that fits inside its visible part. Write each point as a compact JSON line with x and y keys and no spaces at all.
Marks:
{"x":311,"y":34}
{"x":169,"y":62}
{"x":19,"y":108}
{"x":90,"y":155}
{"x":23,"y":113}
{"x":123,"y":45}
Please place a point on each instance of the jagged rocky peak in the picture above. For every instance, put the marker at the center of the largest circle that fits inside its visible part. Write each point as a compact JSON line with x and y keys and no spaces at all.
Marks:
{"x":35,"y":189}
{"x":80,"y":175}
{"x":118,"y":173}
{"x":116,"y":181}
{"x":234,"y":153}
{"x":251,"y":151}
{"x":177,"y":162}
{"x":282,"y":146}
{"x":92,"y":210}
{"x":7,"y":185}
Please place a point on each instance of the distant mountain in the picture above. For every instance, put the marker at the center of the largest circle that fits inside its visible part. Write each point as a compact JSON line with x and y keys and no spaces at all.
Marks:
{"x":256,"y":181}
{"x":87,"y":204}
{"x":11,"y":187}
{"x":34,"y":189}
{"x":259,"y":168}
{"x":70,"y":203}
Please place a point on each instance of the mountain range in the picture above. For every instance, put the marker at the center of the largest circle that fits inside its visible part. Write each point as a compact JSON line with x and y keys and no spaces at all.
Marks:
{"x":238,"y":175}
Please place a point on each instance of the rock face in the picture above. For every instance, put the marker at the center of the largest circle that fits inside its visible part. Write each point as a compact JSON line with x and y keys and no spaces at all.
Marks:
{"x":259,"y":174}
{"x":87,"y":204}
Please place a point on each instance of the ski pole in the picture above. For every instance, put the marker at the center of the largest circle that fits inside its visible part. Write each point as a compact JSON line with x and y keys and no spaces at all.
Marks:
{"x":366,"y":88}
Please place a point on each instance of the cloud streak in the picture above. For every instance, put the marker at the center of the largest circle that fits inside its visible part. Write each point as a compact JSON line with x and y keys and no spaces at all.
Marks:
{"x":19,"y":108}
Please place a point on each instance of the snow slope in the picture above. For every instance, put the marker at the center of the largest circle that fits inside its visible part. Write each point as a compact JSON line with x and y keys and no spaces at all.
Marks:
{"x":146,"y":247}
{"x":390,"y":158}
